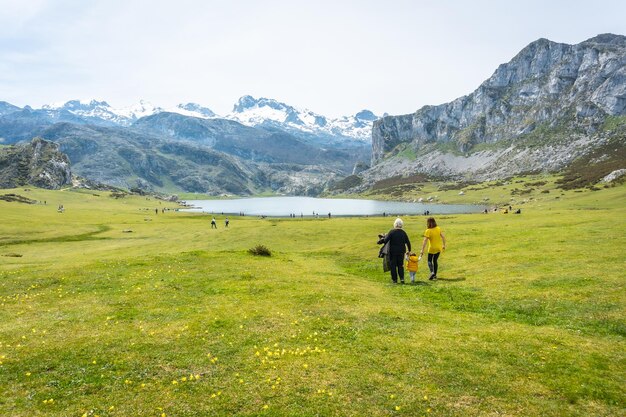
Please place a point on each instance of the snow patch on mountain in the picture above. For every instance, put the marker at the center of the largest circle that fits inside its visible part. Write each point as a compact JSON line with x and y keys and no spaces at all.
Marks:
{"x":193,"y":110}
{"x":139,"y":110}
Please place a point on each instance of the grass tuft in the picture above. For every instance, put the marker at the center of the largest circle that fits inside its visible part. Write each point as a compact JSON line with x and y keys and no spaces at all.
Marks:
{"x":260,"y":250}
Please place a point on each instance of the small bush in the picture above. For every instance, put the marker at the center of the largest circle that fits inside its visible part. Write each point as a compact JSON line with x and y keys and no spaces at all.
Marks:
{"x":260,"y":250}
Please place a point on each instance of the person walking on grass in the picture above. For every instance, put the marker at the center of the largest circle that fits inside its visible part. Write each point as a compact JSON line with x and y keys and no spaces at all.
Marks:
{"x":213,"y":223}
{"x":436,"y":244}
{"x":411,"y":265}
{"x":398,"y":241}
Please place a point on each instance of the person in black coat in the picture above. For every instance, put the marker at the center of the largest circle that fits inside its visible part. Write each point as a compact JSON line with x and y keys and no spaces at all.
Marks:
{"x":398,"y":241}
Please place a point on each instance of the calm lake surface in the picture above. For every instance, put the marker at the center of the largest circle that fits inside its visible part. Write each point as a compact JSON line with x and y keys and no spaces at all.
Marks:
{"x":309,"y":206}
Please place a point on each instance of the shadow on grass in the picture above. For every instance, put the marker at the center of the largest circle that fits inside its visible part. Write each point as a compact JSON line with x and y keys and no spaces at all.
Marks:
{"x":451,"y":279}
{"x":70,"y":238}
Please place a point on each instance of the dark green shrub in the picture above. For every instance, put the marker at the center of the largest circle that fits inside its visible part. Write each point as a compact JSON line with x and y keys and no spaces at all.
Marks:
{"x":260,"y":250}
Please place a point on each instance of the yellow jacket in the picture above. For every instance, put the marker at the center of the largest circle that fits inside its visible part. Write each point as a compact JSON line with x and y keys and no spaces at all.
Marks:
{"x":411,"y":263}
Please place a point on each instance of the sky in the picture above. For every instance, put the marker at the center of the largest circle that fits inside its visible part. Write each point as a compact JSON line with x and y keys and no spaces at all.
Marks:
{"x":332,"y":57}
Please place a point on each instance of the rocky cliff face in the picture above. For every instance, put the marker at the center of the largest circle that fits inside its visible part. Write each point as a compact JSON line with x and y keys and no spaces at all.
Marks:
{"x":38,"y":163}
{"x":548,"y":89}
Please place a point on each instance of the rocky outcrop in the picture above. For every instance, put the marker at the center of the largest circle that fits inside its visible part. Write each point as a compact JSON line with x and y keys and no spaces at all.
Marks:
{"x":614,"y":175}
{"x":39,"y":163}
{"x":547,"y":89}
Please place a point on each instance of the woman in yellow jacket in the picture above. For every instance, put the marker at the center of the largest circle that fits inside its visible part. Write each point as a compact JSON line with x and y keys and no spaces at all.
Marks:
{"x":436,"y":243}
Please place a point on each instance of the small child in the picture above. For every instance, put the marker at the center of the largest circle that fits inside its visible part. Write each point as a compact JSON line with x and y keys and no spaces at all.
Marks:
{"x":411,"y":265}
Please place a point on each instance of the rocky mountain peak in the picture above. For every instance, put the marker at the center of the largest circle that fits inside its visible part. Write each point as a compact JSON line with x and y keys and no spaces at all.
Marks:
{"x":569,"y":90}
{"x":80,"y":105}
{"x":366,"y":115}
{"x":6,"y":108}
{"x":249,"y":102}
{"x":244,"y":103}
{"x":607,"y":39}
{"x":38,"y":163}
{"x":196,"y":109}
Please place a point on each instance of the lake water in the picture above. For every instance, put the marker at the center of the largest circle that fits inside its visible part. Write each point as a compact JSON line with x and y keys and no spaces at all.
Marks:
{"x":309,"y":206}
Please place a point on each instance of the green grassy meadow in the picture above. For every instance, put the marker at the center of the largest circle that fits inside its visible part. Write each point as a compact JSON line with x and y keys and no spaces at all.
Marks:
{"x":109,"y":309}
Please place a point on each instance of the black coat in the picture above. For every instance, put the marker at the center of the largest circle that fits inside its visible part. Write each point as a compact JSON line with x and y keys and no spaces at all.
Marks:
{"x":398,"y":239}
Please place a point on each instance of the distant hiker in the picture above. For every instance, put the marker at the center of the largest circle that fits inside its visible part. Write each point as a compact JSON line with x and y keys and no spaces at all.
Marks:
{"x":436,"y":243}
{"x":213,"y":223}
{"x":398,"y":241}
{"x":329,"y":214}
{"x":226,"y":222}
{"x":411,"y":265}
{"x":156,"y":211}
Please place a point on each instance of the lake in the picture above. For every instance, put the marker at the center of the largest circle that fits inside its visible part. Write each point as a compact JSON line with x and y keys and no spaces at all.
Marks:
{"x":309,"y":206}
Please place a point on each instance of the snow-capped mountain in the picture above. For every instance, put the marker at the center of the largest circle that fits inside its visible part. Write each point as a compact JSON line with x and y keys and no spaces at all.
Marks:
{"x":194,"y":110}
{"x":88,"y":109}
{"x":103,"y":111}
{"x":268,"y":112}
{"x":262,"y":112}
{"x":139,"y":110}
{"x":125,"y":116}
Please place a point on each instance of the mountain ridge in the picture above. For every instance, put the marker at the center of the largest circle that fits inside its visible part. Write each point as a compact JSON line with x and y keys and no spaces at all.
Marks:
{"x":548,"y":94}
{"x":248,"y":110}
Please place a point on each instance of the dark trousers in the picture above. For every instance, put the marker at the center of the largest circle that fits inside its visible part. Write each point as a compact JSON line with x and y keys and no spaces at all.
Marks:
{"x":396,"y":264}
{"x":432,"y":262}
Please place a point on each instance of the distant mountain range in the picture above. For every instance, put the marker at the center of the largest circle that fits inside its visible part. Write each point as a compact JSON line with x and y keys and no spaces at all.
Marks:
{"x":247,"y":111}
{"x":190,"y":148}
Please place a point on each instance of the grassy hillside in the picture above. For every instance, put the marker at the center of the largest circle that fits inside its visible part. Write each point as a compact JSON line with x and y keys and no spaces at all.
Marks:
{"x":109,"y":309}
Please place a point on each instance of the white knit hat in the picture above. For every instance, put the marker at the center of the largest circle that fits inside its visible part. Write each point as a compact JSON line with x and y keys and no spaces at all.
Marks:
{"x":398,"y":223}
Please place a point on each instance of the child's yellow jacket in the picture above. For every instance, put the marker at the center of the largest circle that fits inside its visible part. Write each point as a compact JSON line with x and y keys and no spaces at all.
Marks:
{"x":411,"y":263}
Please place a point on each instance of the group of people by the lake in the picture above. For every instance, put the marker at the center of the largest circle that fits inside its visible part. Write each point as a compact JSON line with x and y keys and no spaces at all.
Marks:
{"x":396,"y":250}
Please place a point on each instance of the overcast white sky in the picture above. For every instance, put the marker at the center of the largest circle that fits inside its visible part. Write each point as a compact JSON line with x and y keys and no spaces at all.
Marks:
{"x":332,"y":57}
